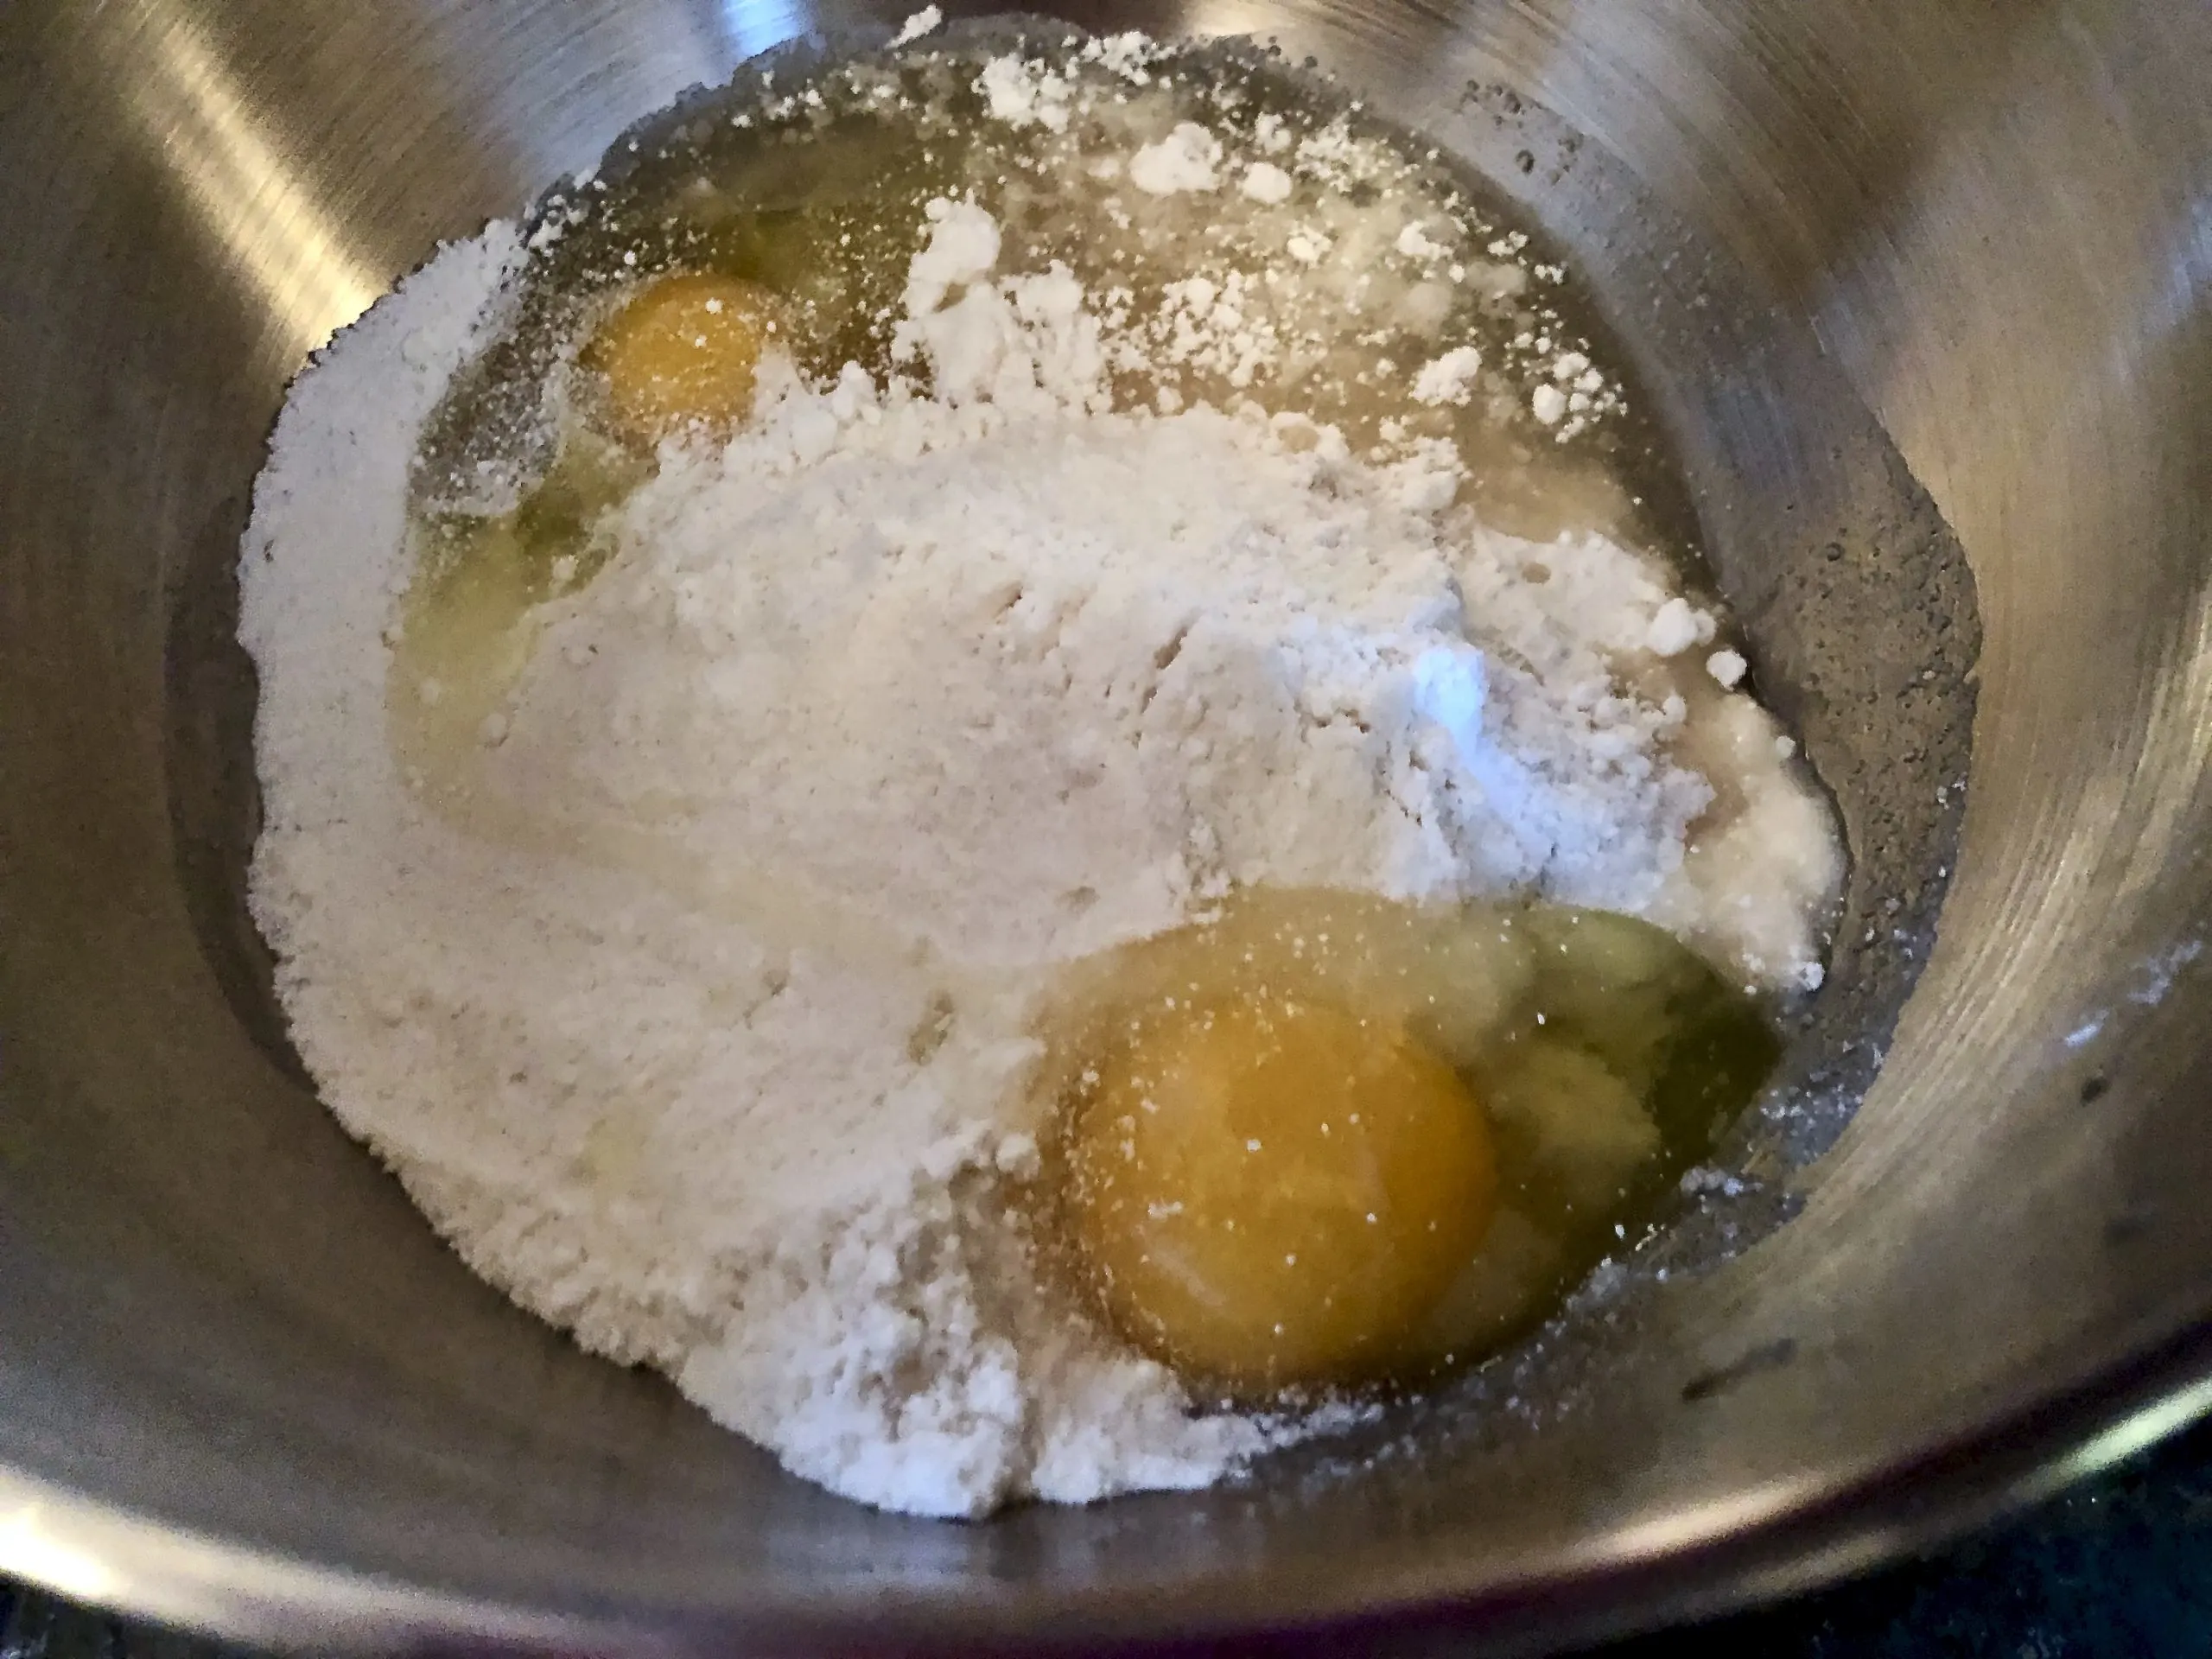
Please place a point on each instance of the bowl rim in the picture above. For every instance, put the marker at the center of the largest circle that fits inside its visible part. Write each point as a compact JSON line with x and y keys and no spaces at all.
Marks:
{"x":1795,"y":1538}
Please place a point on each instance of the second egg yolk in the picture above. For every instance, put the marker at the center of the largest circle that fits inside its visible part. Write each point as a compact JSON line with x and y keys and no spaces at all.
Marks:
{"x":1266,"y":1193}
{"x":683,"y":352}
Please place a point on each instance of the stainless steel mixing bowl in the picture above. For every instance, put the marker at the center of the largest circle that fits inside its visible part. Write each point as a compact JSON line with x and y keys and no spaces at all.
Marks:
{"x":1853,"y":244}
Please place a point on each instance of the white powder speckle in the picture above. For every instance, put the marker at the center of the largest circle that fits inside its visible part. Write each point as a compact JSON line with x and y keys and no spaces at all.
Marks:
{"x":1127,"y":55}
{"x":1676,"y":626}
{"x":1265,"y":183}
{"x":1450,"y":378}
{"x":963,"y":244}
{"x":1547,"y":405}
{"x":1728,"y":667}
{"x":1414,"y":243}
{"x":1186,"y":160}
{"x":1024,"y":94}
{"x":927,"y":21}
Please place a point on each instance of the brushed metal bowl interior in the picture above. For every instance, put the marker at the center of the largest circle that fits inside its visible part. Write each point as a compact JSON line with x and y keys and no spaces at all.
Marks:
{"x":1919,"y":293}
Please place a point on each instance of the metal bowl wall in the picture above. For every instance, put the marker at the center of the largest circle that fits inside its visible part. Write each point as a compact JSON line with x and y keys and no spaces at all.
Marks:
{"x":1863,"y":249}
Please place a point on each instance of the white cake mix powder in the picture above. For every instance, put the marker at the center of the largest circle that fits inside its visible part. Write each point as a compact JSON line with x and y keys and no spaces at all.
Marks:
{"x":699,"y":1019}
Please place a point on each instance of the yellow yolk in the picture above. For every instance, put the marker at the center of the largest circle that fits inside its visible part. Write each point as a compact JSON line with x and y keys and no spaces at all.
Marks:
{"x":1265,"y":1194}
{"x":683,"y":352}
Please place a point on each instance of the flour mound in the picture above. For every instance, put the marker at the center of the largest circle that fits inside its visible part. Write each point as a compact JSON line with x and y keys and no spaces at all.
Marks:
{"x":702,"y":1025}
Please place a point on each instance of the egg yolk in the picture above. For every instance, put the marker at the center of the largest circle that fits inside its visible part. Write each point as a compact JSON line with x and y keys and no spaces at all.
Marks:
{"x":1268,"y":1193}
{"x":683,"y":352}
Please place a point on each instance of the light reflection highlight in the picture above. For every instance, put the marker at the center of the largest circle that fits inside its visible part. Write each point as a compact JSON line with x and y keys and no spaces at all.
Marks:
{"x":30,"y":1552}
{"x":2137,"y":1431}
{"x":752,"y":27}
{"x":183,"y":96}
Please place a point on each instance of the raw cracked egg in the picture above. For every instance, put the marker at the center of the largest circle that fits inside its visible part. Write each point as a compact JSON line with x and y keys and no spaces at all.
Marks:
{"x":1322,"y":1139}
{"x":683,"y":352}
{"x":1267,"y":1191}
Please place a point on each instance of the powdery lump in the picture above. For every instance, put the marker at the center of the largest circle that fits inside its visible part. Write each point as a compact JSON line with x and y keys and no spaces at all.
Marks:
{"x":701,"y":1027}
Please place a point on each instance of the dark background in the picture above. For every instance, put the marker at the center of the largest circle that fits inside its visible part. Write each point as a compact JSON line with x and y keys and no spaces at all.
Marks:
{"x":2120,"y":1568}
